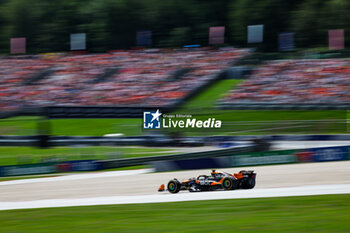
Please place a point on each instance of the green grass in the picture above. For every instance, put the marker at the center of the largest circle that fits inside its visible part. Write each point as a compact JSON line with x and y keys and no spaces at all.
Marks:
{"x":10,"y":178}
{"x":28,"y":155}
{"x":258,"y":121}
{"x":71,"y":127}
{"x":98,"y":127}
{"x":18,"y":126}
{"x":203,"y":106}
{"x":207,"y":99}
{"x":249,"y":122}
{"x":29,"y":177}
{"x":328,"y":213}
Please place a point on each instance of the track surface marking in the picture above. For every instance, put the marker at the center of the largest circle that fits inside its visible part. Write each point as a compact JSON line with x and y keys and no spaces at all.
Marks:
{"x":137,"y":187}
{"x":167,"y":197}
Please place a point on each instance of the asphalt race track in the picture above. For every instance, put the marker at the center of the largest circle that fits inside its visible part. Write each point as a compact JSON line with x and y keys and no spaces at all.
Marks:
{"x":139,"y":186}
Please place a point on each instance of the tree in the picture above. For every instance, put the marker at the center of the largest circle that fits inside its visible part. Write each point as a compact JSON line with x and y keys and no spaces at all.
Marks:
{"x":306,"y":22}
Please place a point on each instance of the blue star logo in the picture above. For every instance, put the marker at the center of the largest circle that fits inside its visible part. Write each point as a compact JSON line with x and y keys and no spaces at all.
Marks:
{"x":151,"y":120}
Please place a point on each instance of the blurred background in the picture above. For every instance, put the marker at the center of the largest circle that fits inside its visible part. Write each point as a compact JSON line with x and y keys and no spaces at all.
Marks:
{"x":76,"y":76}
{"x":112,"y":24}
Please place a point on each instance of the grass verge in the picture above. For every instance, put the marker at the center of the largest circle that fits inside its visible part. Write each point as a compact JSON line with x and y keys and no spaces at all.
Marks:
{"x":203,"y":106}
{"x":326,"y":213}
{"x":11,"y":178}
{"x":29,"y":155}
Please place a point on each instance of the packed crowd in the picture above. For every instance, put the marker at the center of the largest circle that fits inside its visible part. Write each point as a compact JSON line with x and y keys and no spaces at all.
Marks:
{"x":296,"y":81}
{"x":142,"y":77}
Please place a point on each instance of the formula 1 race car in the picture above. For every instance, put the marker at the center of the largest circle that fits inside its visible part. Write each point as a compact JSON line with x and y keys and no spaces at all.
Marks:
{"x":216,"y":181}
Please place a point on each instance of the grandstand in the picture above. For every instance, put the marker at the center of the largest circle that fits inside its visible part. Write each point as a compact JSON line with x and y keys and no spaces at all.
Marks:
{"x":119,"y":78}
{"x":295,"y":82}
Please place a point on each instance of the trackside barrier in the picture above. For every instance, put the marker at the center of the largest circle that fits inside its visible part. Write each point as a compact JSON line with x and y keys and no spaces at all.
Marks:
{"x":46,"y":168}
{"x":330,"y":154}
{"x":198,"y":155}
{"x":92,"y":165}
{"x":145,"y":140}
{"x":233,"y":157}
{"x":271,"y":157}
{"x":29,"y":169}
{"x":79,"y":165}
{"x":286,"y":137}
{"x":190,"y":164}
{"x":245,"y":159}
{"x":325,"y":154}
{"x":262,"y":158}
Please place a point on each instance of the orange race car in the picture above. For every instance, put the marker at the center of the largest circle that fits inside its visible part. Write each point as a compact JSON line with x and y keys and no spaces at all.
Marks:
{"x":216,"y":181}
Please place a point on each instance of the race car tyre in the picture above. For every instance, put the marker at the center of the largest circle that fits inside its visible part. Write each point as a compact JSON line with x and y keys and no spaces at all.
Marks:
{"x":229,"y":183}
{"x":174,"y":186}
{"x":248,"y":183}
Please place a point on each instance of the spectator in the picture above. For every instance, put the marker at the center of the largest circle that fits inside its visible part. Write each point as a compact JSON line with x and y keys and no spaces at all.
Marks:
{"x":296,"y":81}
{"x":142,"y":79}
